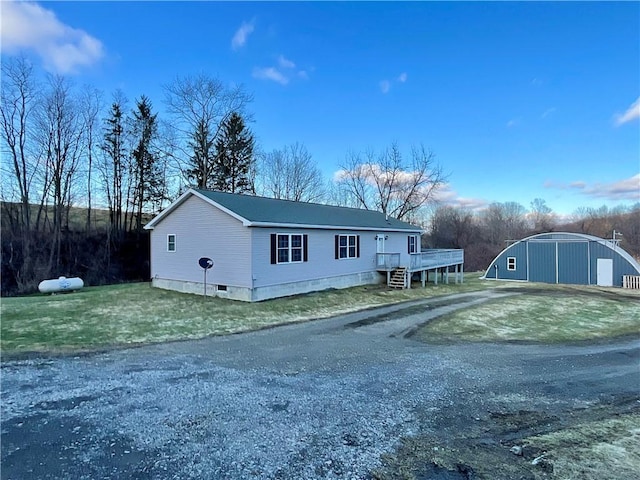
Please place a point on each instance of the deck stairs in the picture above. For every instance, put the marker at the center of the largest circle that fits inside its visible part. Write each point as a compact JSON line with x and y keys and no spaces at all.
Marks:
{"x":398,"y":278}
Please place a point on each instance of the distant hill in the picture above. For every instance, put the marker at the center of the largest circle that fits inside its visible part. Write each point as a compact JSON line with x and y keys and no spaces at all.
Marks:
{"x":77,"y":216}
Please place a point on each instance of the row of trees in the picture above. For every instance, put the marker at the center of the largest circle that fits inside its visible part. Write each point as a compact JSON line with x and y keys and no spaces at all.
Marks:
{"x":484,"y":234}
{"x":66,"y":146}
{"x":63,"y":146}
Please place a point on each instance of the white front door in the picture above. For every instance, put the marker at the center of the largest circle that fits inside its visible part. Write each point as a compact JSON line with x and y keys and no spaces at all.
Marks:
{"x":380,"y":249}
{"x":604,"y":272}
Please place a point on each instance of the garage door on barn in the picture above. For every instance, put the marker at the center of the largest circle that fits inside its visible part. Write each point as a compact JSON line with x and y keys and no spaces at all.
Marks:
{"x":573,"y":262}
{"x":543,"y":269}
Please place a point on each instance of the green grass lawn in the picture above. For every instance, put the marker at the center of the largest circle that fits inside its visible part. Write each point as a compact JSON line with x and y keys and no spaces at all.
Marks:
{"x":98,"y":317}
{"x":542,"y":313}
{"x":101,"y":317}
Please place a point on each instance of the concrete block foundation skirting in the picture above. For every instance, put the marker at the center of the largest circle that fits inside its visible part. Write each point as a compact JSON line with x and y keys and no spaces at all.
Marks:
{"x":272,"y":291}
{"x":197,"y":288}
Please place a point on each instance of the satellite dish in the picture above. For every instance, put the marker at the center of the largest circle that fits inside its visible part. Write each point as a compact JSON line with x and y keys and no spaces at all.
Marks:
{"x":205,"y":263}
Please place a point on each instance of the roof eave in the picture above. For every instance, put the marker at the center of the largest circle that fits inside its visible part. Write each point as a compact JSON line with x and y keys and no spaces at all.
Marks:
{"x":331,"y":227}
{"x":182,"y":198}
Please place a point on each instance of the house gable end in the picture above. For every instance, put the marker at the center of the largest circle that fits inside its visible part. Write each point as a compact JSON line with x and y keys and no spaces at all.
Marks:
{"x":183,"y":198}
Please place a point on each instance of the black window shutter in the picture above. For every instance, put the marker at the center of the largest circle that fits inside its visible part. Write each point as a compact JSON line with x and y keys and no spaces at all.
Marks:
{"x":409,"y":244}
{"x":305,"y":248}
{"x":358,"y":246}
{"x":274,"y":249}
{"x":337,"y":246}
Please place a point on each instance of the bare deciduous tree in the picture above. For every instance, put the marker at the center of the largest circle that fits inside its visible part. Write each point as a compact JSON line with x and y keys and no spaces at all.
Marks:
{"x":388,"y":183}
{"x":452,"y":227}
{"x":91,"y":106}
{"x":19,"y":99}
{"x":61,"y":132}
{"x":503,"y":221}
{"x":200,"y":105}
{"x":542,"y":217}
{"x":291,"y":174}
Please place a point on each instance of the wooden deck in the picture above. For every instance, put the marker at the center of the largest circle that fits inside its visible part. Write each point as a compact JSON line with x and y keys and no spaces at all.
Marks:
{"x":423,"y":262}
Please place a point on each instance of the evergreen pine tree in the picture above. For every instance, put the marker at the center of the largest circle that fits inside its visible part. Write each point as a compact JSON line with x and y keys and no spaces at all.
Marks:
{"x":115,"y":168}
{"x":149,"y":180}
{"x":234,"y":160}
{"x":201,"y":162}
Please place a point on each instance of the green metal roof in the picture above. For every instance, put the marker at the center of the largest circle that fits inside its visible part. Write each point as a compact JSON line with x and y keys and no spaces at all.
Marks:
{"x":270,"y":211}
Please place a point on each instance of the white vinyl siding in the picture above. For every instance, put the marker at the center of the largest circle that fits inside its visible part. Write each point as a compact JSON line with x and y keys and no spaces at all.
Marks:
{"x":321,"y":262}
{"x":203,"y":231}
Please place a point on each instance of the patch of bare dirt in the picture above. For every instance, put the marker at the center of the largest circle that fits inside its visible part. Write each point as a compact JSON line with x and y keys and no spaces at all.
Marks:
{"x":495,"y":444}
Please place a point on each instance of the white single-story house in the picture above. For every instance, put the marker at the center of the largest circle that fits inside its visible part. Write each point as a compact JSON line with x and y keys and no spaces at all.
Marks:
{"x":265,"y":248}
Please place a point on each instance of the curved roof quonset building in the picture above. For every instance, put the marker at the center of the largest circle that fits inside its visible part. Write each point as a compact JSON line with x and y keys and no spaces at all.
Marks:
{"x":562,"y":257}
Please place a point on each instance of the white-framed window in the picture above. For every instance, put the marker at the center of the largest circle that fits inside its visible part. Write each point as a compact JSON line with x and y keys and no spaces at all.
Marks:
{"x":412,"y":244}
{"x":347,"y":246}
{"x":171,"y":242}
{"x":289,"y":248}
{"x":511,"y":263}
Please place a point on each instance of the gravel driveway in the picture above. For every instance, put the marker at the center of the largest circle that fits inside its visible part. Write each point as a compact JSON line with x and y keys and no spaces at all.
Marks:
{"x":323,"y":399}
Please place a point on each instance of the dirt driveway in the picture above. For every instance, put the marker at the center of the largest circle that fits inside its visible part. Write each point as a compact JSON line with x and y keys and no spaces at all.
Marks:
{"x":324,"y":399}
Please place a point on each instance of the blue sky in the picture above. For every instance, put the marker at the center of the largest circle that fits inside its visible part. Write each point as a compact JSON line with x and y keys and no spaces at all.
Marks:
{"x":517,"y":100}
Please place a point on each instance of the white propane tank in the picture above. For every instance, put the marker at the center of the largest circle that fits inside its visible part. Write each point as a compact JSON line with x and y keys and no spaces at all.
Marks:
{"x":62,"y":284}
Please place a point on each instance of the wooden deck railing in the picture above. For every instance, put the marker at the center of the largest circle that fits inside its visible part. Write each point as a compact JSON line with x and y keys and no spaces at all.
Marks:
{"x":387,"y":261}
{"x":432,"y":258}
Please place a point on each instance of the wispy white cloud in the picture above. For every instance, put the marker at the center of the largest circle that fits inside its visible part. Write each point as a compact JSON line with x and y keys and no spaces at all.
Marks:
{"x":239,"y":39}
{"x":548,"y":112}
{"x":627,"y":189}
{"x":513,"y":122}
{"x":270,"y":73}
{"x":27,"y":26}
{"x":446,"y":195}
{"x":285,"y":62}
{"x":283,"y":73}
{"x":385,"y":86}
{"x":631,"y":114}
